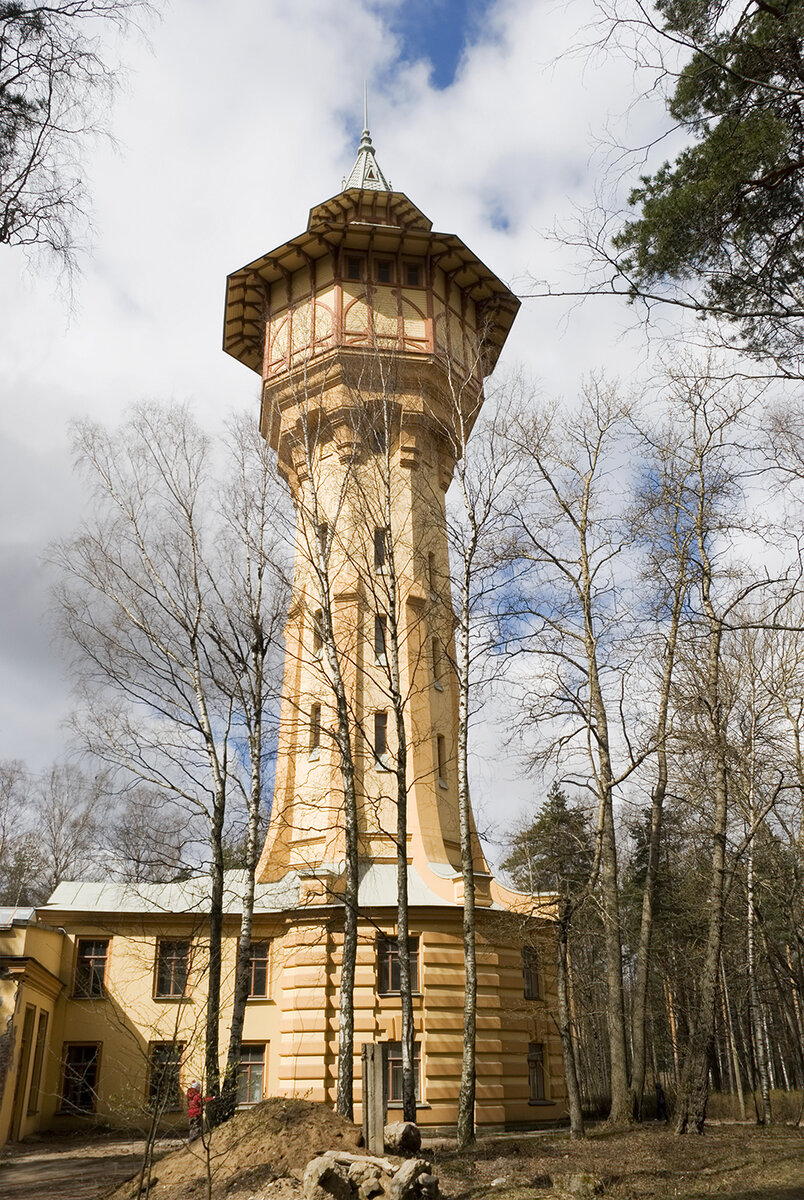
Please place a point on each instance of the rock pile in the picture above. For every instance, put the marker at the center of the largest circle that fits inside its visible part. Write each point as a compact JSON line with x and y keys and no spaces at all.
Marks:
{"x":338,"y":1175}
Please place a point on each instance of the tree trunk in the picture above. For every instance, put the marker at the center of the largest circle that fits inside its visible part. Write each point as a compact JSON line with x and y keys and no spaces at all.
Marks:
{"x":211,"y":1037}
{"x":343,"y":741}
{"x":346,"y":1022}
{"x":466,"y":1096}
{"x":403,"y":929}
{"x":565,"y":1026}
{"x":691,"y":1111}
{"x":228,"y":1101}
{"x":654,"y":849}
{"x":760,"y":1057}
{"x":735,"y":1058}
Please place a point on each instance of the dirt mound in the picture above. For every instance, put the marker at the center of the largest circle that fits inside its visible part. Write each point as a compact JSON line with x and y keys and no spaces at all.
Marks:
{"x":274,"y":1139}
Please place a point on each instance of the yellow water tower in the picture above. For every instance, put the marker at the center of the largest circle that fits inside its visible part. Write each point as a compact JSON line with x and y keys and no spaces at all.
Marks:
{"x":372,"y":335}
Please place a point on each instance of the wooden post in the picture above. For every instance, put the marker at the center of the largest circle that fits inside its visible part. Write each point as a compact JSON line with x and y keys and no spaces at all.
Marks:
{"x":373,"y":1098}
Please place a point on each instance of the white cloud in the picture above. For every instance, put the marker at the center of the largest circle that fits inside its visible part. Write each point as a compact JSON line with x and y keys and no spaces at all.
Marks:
{"x":233,"y":124}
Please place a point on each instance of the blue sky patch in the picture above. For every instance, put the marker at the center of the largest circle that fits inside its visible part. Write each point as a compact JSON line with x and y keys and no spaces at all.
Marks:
{"x":438,"y":31}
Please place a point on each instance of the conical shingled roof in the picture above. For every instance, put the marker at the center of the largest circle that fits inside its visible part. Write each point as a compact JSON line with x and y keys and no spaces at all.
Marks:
{"x":366,"y":173}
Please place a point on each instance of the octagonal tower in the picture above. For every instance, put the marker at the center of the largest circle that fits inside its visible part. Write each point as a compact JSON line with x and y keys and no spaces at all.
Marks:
{"x":372,"y":335}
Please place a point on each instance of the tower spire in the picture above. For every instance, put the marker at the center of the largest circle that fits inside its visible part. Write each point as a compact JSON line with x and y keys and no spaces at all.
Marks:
{"x":366,"y":173}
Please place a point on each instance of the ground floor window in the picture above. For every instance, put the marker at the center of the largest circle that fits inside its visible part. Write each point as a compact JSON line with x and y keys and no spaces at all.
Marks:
{"x":164,"y":1088}
{"x":536,"y":1071}
{"x":251,"y":1078}
{"x":80,"y":1079}
{"x":393,"y":1071}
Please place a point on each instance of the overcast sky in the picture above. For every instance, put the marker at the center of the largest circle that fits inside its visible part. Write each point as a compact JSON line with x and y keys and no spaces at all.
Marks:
{"x":235,"y":119}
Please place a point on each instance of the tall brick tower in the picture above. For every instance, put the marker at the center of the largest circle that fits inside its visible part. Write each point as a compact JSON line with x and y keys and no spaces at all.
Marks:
{"x":372,"y":335}
{"x":366,"y":327}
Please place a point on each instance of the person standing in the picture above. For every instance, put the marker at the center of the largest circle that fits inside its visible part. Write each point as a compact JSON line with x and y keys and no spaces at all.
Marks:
{"x":195,"y":1110}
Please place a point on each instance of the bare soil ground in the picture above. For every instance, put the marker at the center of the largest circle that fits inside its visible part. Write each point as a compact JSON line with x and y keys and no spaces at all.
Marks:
{"x":264,"y":1145}
{"x":261,"y":1154}
{"x":72,"y":1167}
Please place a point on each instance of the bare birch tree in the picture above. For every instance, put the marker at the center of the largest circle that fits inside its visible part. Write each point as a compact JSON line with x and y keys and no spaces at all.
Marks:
{"x":666,"y":534}
{"x":573,"y":540}
{"x":478,"y":528}
{"x":171,"y":605}
{"x":709,"y":429}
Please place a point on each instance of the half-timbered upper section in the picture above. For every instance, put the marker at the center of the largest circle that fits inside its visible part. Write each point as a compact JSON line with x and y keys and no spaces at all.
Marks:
{"x":368,"y":272}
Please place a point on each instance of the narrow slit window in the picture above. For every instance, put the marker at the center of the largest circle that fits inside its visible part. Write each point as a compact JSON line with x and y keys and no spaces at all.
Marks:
{"x":437,"y":664}
{"x":441,"y":753}
{"x":380,"y":637}
{"x":322,"y":532}
{"x":431,"y":575}
{"x":380,"y":548}
{"x":380,"y":736}
{"x":315,"y":729}
{"x":318,"y":632}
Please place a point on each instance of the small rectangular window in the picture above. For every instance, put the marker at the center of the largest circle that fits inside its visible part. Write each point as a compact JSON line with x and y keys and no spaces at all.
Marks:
{"x":39,"y":1057}
{"x":80,"y":1079}
{"x":380,"y":736}
{"x":388,"y":973}
{"x":530,"y":972}
{"x":412,"y":274}
{"x":383,"y":271}
{"x":536,"y":1085}
{"x":164,"y":1067}
{"x":380,"y":548}
{"x":258,"y":966}
{"x":251,"y":1075}
{"x":172,"y":968}
{"x":322,"y":533}
{"x":393,"y":1071}
{"x":442,"y":760}
{"x":318,"y":632}
{"x":90,"y":966}
{"x":315,"y":728}
{"x":354,"y":267}
{"x":380,"y":635}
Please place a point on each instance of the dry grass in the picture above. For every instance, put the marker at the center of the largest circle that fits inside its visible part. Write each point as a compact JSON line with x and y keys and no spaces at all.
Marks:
{"x":733,"y":1162}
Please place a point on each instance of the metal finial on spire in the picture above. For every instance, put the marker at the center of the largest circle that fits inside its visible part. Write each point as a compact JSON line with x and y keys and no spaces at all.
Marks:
{"x":366,"y":173}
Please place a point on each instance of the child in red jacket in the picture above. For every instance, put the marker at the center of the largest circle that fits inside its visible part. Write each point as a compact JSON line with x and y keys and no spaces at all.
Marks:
{"x":195,"y":1110}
